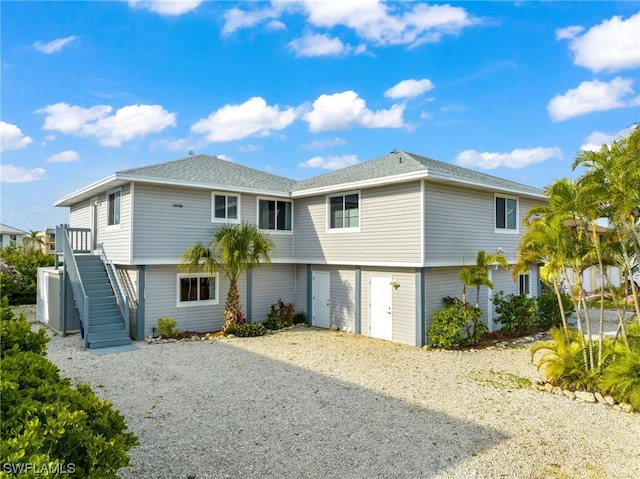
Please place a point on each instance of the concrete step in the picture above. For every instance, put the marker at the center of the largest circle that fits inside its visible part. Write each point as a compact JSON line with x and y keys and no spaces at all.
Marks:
{"x":108,"y":343}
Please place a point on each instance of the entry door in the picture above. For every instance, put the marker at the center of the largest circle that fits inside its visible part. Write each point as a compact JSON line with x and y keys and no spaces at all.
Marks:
{"x":321,"y":298}
{"x":94,"y":223}
{"x":380,"y":312}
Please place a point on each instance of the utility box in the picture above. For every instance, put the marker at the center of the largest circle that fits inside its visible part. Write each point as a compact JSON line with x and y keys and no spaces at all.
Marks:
{"x":53,"y":310}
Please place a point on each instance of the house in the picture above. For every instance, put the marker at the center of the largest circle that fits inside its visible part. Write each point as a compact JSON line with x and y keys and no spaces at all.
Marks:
{"x":47,"y":240}
{"x":10,"y":236}
{"x":372,"y":248}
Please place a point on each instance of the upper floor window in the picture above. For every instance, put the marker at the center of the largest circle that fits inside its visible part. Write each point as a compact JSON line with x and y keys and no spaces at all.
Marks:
{"x":344,"y":211}
{"x":225,"y":207}
{"x":113,"y":207}
{"x":274,"y":215}
{"x":506,"y":213}
{"x":197,"y":289}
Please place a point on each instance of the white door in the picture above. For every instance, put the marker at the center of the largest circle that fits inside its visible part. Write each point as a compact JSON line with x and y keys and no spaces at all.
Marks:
{"x":321,"y":304}
{"x":94,"y":223}
{"x":380,"y":312}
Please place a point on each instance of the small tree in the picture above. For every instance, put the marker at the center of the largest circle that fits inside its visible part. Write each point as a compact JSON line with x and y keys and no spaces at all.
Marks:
{"x":233,"y":250}
{"x":477,"y":276}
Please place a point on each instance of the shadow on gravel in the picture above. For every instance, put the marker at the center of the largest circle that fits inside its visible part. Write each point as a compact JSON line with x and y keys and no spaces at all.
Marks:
{"x":212,"y":410}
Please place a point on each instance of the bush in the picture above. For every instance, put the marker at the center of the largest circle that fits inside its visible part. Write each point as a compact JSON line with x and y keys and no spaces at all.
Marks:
{"x":246,"y":330}
{"x":48,"y":424}
{"x":516,"y":313}
{"x":16,"y":333}
{"x":166,"y":328}
{"x":456,"y":325}
{"x":280,"y":316}
{"x":548,"y":309}
{"x":19,"y":273}
{"x":300,"y":318}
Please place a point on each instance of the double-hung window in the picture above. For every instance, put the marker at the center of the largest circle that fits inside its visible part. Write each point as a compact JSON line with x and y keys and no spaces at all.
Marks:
{"x":113,"y":207}
{"x":197,"y":289}
{"x":506,"y":213}
{"x":225,"y":207}
{"x":274,"y":215}
{"x":344,"y":211}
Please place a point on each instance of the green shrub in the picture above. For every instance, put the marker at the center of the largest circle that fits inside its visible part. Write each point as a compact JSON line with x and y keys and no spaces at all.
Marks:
{"x":166,"y":328}
{"x":280,"y":316}
{"x":456,"y":325}
{"x":19,"y":280}
{"x":300,"y":318}
{"x":49,"y":425}
{"x":16,"y":333}
{"x":246,"y":330}
{"x":548,"y":309}
{"x":516,"y":313}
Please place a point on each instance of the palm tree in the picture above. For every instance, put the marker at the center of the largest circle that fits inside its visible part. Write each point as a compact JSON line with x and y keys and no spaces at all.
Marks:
{"x":233,"y":250}
{"x":477,"y":275}
{"x":33,"y":240}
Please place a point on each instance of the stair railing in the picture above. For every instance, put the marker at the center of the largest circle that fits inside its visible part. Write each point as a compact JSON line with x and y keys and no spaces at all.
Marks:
{"x":121,"y":297}
{"x":64,"y":238}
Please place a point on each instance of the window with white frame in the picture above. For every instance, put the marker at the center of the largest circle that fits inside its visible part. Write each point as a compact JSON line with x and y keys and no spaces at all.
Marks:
{"x":506,"y":213}
{"x":113,"y":207}
{"x":225,"y":207}
{"x":197,"y":289}
{"x":344,"y":211}
{"x":274,"y":215}
{"x":524,"y":284}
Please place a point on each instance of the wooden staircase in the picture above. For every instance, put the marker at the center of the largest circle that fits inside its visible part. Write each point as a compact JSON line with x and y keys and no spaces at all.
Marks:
{"x":106,"y":326}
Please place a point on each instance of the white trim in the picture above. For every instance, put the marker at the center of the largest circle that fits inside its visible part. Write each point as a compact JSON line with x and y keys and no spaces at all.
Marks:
{"x":423,"y":232}
{"x":350,"y":229}
{"x":190,"y":304}
{"x":530,"y":275}
{"x":226,"y":194}
{"x":276,"y":199}
{"x":487,"y":186}
{"x":383,"y":264}
{"x":131,"y":222}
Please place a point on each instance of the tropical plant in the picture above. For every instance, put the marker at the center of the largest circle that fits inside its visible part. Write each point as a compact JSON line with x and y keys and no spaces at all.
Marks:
{"x":167,"y":328}
{"x":457,"y":324}
{"x":246,"y":330}
{"x":19,"y":273}
{"x":549,"y":311}
{"x":32,"y":242}
{"x":477,"y":276}
{"x":233,"y":250}
{"x":281,"y":315}
{"x":516,"y":312}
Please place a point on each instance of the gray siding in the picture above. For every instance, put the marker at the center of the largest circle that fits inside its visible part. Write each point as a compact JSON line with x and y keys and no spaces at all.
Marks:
{"x":116,"y":240}
{"x":163,"y":231}
{"x":161,"y":300}
{"x":440,"y":282}
{"x":300,"y":299}
{"x":80,"y":215}
{"x":342,"y":296}
{"x":269,"y":285}
{"x":403,"y":303}
{"x":459,"y":222}
{"x":390,"y":230}
{"x":129,"y":279}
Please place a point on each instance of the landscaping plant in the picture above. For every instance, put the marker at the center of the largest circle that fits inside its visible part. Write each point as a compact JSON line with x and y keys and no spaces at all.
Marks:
{"x":281,"y":315}
{"x":457,"y":324}
{"x":516,"y":313}
{"x":245,"y":330}
{"x":166,"y":328}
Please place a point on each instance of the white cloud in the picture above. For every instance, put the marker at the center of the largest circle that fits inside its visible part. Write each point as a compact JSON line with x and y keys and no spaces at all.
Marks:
{"x":64,"y":157}
{"x":15,"y":174}
{"x":613,"y":45}
{"x":12,"y":138}
{"x":596,"y":139}
{"x":341,"y":111}
{"x":316,"y":45}
{"x":372,"y":20}
{"x":326,"y":143}
{"x":166,"y":7}
{"x":251,"y":118}
{"x":55,"y":45}
{"x":517,"y":158}
{"x":409,"y":88}
{"x":330,"y":163}
{"x":129,"y":122}
{"x":591,"y":96}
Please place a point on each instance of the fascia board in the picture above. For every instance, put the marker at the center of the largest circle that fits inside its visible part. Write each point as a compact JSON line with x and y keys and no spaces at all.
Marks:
{"x":88,"y":190}
{"x":486,"y":186}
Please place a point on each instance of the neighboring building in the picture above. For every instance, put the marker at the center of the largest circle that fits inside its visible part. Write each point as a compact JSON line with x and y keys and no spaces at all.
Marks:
{"x":10,"y":236}
{"x":372,"y":248}
{"x":47,"y":239}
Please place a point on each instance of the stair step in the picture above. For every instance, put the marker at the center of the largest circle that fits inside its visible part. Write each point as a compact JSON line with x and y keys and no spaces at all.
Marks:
{"x":108,"y":343}
{"x":105,"y":328}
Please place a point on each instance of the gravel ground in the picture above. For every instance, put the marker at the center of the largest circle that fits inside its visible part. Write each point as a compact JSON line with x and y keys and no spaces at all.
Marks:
{"x":309,"y":403}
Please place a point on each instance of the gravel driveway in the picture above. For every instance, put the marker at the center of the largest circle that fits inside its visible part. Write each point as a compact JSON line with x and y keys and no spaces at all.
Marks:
{"x":309,"y":403}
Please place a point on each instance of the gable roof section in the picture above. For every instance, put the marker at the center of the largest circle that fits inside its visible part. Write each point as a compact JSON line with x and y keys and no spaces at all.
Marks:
{"x":201,"y":171}
{"x":403,"y":166}
{"x":10,"y":230}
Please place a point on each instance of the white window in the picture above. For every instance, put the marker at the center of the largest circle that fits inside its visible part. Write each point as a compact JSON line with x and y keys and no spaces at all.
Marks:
{"x":225,"y":207}
{"x":506,"y":213}
{"x":113,"y":207}
{"x":197,"y":289}
{"x":524,"y":284}
{"x":344,"y":211}
{"x":274,"y":215}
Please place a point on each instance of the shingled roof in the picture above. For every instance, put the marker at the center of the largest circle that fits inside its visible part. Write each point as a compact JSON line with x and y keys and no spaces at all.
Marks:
{"x":402,"y":163}
{"x":210,"y":171}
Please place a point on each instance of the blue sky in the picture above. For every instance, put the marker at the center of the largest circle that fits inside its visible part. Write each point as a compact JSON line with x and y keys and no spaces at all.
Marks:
{"x":300,"y":88}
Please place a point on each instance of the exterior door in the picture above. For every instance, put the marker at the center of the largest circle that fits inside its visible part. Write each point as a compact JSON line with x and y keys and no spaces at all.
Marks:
{"x":321,"y":299}
{"x":380,"y":312}
{"x":94,"y":223}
